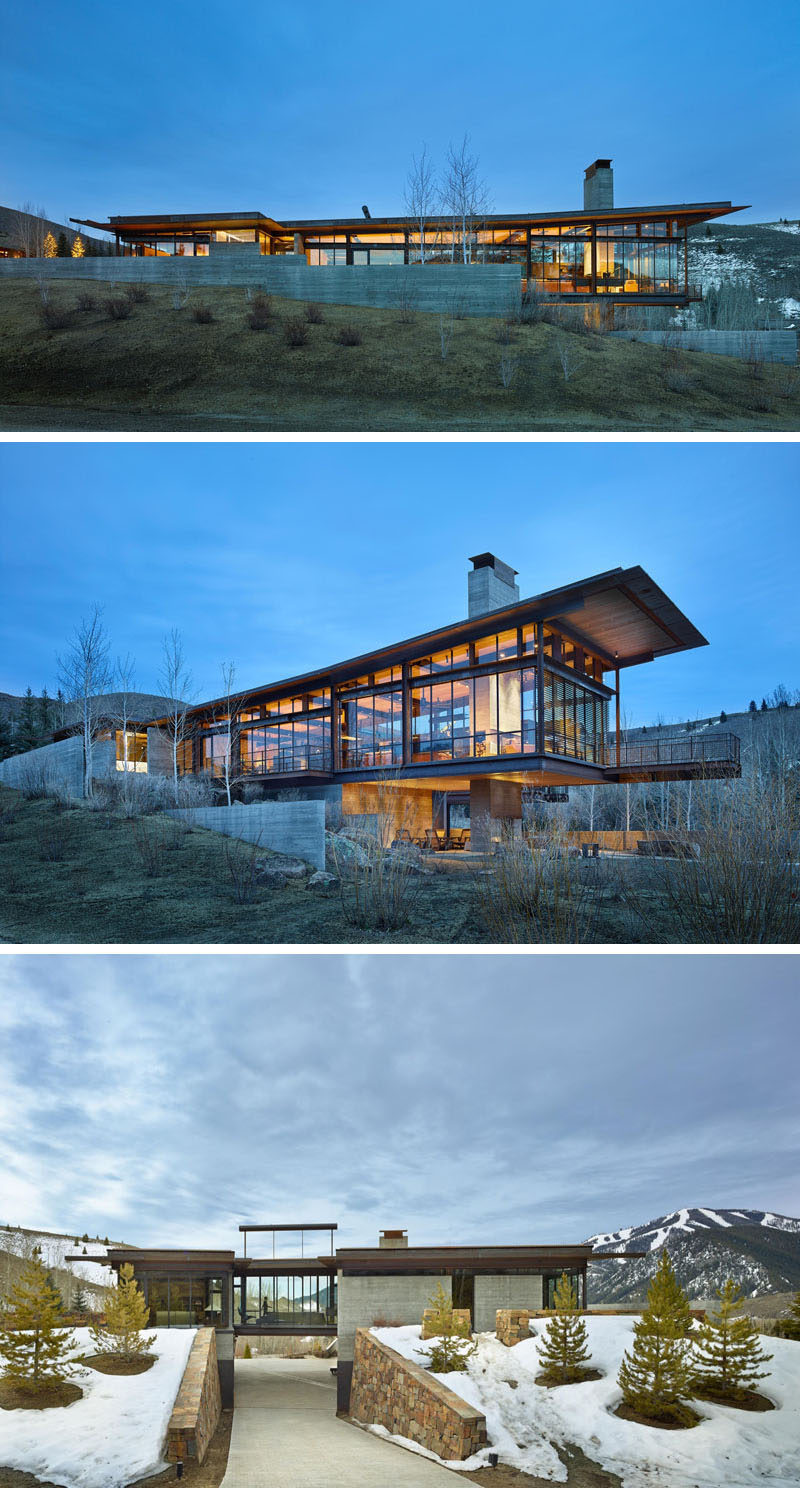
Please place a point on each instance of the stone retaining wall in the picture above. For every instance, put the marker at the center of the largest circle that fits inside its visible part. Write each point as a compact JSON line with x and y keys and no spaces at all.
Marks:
{"x":198,"y":1405}
{"x":461,"y":1315}
{"x":296,"y":828}
{"x":512,"y":1325}
{"x":388,"y":1390}
{"x":466,"y":290}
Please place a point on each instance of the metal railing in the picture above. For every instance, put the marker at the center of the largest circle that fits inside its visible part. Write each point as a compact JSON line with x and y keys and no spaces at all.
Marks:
{"x":708,"y":749}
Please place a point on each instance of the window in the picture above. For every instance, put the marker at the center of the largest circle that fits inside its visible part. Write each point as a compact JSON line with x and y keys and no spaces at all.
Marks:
{"x":131,"y":749}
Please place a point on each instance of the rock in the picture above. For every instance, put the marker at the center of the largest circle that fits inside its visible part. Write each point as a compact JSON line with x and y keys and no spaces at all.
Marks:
{"x":322,"y":883}
{"x":273,"y":878}
{"x":287,"y":867}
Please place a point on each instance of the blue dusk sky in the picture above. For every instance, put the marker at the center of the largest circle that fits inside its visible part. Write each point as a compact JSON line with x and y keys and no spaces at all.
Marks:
{"x":285,"y":558}
{"x":166,"y":1099}
{"x":311,"y":110}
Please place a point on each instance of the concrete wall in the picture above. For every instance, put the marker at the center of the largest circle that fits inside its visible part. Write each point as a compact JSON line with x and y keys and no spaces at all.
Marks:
{"x":62,"y":763}
{"x":495,"y":1292}
{"x":390,"y":1391}
{"x":362,"y":1299}
{"x":293,"y":827}
{"x":477,"y":289}
{"x":772,"y":346}
{"x":198,"y":1404}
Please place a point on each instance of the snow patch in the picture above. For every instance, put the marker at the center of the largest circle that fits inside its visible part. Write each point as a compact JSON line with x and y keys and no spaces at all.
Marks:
{"x":111,"y":1437}
{"x":526,"y":1424}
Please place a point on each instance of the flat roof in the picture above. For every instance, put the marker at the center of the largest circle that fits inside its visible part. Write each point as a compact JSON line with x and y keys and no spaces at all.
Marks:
{"x":621,"y":615}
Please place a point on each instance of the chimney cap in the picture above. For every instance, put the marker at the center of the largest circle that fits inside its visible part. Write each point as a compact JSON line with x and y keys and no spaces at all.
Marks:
{"x":596,"y":166}
{"x":489,"y":560}
{"x":394,"y":1234}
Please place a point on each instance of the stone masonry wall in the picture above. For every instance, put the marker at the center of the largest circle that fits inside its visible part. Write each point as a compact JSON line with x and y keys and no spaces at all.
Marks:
{"x":512,"y":1325}
{"x":390,"y":1391}
{"x":460,"y":1315}
{"x":198,"y":1404}
{"x":477,"y":289}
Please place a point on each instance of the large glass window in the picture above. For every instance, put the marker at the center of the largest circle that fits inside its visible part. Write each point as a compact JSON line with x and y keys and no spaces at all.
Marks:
{"x":372,"y":731}
{"x":184,"y":1301}
{"x":131,"y":751}
{"x":289,"y":1301}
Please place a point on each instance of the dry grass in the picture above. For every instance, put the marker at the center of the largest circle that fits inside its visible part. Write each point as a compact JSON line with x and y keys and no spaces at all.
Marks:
{"x":160,"y":371}
{"x":536,"y":890}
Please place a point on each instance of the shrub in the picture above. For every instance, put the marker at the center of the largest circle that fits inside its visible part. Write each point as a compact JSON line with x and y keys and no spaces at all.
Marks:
{"x":348,"y":335}
{"x":539,"y":892}
{"x":203,"y":314}
{"x":295,"y":332}
{"x":138,"y":294}
{"x":55,"y":317}
{"x":53,"y":841}
{"x":117,"y":307}
{"x":34,"y":781}
{"x":149,"y":840}
{"x":243,"y":871}
{"x":261,"y":314}
{"x":314,"y":315}
{"x":678,"y":382}
{"x":85,"y":301}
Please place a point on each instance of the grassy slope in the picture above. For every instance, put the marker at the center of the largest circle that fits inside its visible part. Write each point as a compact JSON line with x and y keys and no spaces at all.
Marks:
{"x":99,"y":894}
{"x":161,"y":370}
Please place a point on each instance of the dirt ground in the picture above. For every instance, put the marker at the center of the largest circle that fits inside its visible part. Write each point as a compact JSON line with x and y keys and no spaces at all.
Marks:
{"x":160,"y":370}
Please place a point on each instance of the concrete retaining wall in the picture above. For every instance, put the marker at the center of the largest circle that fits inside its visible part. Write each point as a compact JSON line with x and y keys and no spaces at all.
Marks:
{"x":770,"y":346}
{"x":61,"y":764}
{"x":390,"y":1391}
{"x":198,"y":1404}
{"x":362,"y":1299}
{"x":477,"y":289}
{"x":293,"y":827}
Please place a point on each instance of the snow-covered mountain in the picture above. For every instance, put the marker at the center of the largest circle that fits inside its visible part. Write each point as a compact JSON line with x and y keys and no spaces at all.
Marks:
{"x":765,"y":255}
{"x":758,"y":1249}
{"x":18,"y":1243}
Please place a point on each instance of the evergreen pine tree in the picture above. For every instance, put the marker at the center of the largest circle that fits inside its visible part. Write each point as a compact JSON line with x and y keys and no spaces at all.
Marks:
{"x":752,"y":708}
{"x":764,"y":705}
{"x":564,"y":1350}
{"x":50,"y":248}
{"x":727,"y":1351}
{"x":655,"y":1374}
{"x":6,"y":739}
{"x":27,"y":723}
{"x":62,"y":249}
{"x":451,"y":1346}
{"x":723,"y":717}
{"x":45,"y":711}
{"x":80,"y":1302}
{"x":78,"y":249}
{"x":34,"y":1345}
{"x":126,"y":1314}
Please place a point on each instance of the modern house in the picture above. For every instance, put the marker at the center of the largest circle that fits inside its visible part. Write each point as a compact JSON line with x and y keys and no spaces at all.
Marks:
{"x":639,"y":252}
{"x":457,"y":722}
{"x":292,"y":1290}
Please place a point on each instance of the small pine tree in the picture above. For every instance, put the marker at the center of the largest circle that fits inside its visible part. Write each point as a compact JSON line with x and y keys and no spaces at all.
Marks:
{"x":27,"y":723}
{"x":78,"y":249}
{"x":752,"y":708}
{"x":451,"y":1346}
{"x":6,"y":739}
{"x":723,"y":717}
{"x":34,"y":1345}
{"x":62,"y":250}
{"x":655,"y":1374}
{"x":727,"y":1351}
{"x":50,"y":248}
{"x":45,"y":711}
{"x":80,"y":1302}
{"x":126,"y":1316}
{"x":565,"y":1347}
{"x":248,"y":1352}
{"x":764,"y":708}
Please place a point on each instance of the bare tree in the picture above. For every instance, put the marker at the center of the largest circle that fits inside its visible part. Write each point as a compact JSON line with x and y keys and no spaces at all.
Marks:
{"x":125,"y":680}
{"x":569,"y":358}
{"x":230,"y":716}
{"x":85,"y":674}
{"x":422,"y":196}
{"x":29,"y":228}
{"x":176,"y":683}
{"x":465,"y":197}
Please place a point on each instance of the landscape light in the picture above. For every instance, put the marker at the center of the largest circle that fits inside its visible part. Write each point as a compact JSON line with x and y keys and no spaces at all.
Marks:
{"x":493,"y":1459}
{"x":179,"y":1469}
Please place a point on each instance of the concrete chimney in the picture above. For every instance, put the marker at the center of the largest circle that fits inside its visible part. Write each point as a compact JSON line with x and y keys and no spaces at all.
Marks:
{"x":393,"y":1240}
{"x":490,"y":585}
{"x":598,"y":187}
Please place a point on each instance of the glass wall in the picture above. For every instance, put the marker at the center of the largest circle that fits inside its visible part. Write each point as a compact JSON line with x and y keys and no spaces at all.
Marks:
{"x":631,"y":258}
{"x":292,"y":1301}
{"x":184,"y":1301}
{"x":371,"y":730}
{"x":131,"y":751}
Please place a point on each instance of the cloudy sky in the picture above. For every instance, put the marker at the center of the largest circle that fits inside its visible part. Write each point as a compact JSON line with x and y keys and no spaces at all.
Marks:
{"x":520,"y":1098}
{"x":285,"y":558}
{"x":202,"y":106}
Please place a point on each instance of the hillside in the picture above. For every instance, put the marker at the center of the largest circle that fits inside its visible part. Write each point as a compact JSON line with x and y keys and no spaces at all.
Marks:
{"x":759,"y":1250}
{"x":765,"y":254}
{"x":17,"y":1245}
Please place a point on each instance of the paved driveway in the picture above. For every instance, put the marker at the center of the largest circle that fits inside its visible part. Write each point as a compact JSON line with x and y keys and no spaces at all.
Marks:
{"x":286,"y":1435}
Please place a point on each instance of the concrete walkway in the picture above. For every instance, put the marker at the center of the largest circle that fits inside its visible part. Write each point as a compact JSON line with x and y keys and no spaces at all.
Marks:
{"x":286,"y":1435}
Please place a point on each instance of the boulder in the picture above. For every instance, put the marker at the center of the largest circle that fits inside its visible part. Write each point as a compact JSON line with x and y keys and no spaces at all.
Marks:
{"x":322,"y":883}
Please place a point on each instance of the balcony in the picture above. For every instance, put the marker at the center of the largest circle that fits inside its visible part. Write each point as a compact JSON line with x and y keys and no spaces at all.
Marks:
{"x":694,"y":755}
